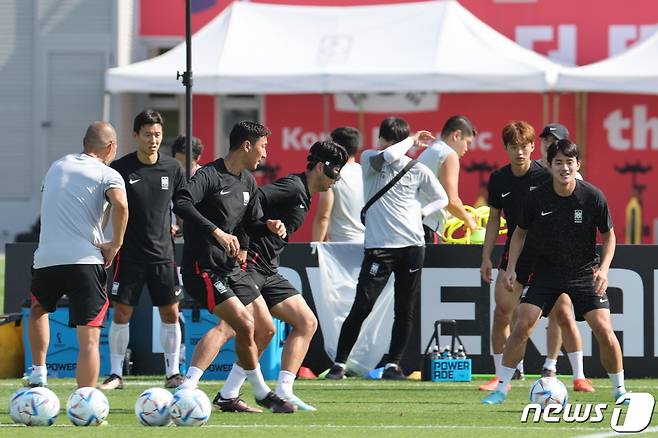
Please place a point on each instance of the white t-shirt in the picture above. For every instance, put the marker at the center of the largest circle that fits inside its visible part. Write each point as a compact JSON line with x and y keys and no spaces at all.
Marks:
{"x":394,"y":221}
{"x":434,"y":157}
{"x":72,"y":204}
{"x":344,"y":222}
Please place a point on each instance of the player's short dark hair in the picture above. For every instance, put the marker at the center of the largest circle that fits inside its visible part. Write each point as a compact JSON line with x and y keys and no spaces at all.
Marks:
{"x":347,"y":137}
{"x":566,"y":146}
{"x":147,"y":117}
{"x":326,"y":151}
{"x":518,"y":133}
{"x":458,"y":123}
{"x":178,"y":147}
{"x":246,"y":130}
{"x":394,"y":129}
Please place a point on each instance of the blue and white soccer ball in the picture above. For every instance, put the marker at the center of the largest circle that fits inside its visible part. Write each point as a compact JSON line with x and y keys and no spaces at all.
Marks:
{"x":549,"y":391}
{"x":190,"y":407}
{"x":34,"y":407}
{"x":87,"y":407}
{"x":153,"y":406}
{"x":14,"y":403}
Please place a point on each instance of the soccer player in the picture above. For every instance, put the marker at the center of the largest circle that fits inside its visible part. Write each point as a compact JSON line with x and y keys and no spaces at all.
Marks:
{"x":289,"y":199}
{"x":72,"y":255}
{"x":178,"y":148}
{"x":147,"y":256}
{"x":337,"y":215}
{"x":568,"y":213}
{"x":221,"y":196}
{"x":394,"y":240}
{"x":442,"y":158}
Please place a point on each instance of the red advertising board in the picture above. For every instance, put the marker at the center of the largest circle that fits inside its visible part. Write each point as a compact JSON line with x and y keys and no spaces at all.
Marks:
{"x":621,"y":130}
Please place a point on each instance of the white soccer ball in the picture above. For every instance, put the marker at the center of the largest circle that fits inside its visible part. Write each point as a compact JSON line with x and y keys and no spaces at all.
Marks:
{"x":14,"y":403}
{"x":87,"y":407}
{"x":549,"y":391}
{"x":152,"y":407}
{"x":35,"y":407}
{"x":190,"y":407}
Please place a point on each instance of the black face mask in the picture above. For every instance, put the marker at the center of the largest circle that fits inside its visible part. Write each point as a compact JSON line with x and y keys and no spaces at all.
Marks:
{"x":330,"y":171}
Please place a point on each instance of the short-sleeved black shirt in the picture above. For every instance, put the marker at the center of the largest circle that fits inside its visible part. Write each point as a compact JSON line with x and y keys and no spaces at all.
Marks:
{"x":150,"y":188}
{"x":567,"y":227}
{"x":289,"y":200}
{"x":507,"y":191}
{"x":215,"y":198}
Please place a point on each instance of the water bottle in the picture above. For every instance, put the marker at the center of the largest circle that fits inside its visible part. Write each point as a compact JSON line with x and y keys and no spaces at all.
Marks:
{"x":446,"y":353}
{"x":435,"y":353}
{"x":461,"y":353}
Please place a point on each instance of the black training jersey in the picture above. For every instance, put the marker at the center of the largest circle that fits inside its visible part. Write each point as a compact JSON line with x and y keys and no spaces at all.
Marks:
{"x":507,"y":191}
{"x":150,"y":189}
{"x":567,"y":228}
{"x":288,"y":200}
{"x":215,"y":198}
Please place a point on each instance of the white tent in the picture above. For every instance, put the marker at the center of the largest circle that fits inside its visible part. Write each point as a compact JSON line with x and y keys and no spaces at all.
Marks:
{"x":265,"y":49}
{"x":632,"y":71}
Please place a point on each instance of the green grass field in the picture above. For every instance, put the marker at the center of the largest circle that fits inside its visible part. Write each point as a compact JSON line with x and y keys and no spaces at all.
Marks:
{"x":348,"y":408}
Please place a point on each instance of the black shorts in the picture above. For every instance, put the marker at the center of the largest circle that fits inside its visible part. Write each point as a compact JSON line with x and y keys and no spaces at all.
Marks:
{"x":212,"y":288}
{"x":581,"y":292}
{"x":85,"y":285}
{"x":274,"y":287}
{"x":524,"y":265}
{"x":130,"y":277}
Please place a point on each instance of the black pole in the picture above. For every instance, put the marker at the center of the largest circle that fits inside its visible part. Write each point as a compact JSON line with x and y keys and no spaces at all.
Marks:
{"x":187,"y":82}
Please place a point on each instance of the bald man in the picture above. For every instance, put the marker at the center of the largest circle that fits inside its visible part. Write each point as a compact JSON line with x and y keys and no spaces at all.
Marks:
{"x":73,"y":255}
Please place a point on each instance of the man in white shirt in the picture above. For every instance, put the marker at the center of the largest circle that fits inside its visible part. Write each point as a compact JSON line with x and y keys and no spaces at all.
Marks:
{"x":394,"y":240}
{"x":72,"y":255}
{"x":337,"y":216}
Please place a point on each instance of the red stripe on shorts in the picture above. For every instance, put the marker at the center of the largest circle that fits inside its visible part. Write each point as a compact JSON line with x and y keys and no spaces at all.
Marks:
{"x":98,"y":321}
{"x":210,"y":295}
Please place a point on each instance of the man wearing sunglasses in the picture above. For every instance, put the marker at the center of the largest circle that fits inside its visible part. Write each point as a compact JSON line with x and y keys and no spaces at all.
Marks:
{"x":394,"y":240}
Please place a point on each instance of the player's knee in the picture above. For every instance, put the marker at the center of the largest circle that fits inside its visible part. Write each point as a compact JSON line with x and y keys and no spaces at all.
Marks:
{"x":307,"y":325}
{"x":245,"y":326}
{"x":122,"y":313}
{"x":502,"y":316}
{"x":169,"y":314}
{"x":563,"y":319}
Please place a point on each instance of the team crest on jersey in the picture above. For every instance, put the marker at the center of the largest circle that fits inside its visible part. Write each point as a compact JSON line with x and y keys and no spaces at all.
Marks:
{"x":245,"y":196}
{"x":164,"y":182}
{"x":374,"y":268}
{"x":577,"y":216}
{"x":115,"y":288}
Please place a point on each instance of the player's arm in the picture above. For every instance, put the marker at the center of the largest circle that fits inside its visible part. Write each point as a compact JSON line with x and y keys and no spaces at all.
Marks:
{"x":607,"y":253}
{"x":322,"y":213}
{"x":449,"y":178}
{"x":490,"y":237}
{"x":243,"y":239}
{"x":396,"y":151}
{"x":253,"y":223}
{"x":433,"y":189}
{"x":117,"y":199}
{"x":179,"y":183}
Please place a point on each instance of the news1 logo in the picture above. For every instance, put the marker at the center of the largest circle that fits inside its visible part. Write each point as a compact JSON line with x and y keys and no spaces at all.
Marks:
{"x":638,"y":413}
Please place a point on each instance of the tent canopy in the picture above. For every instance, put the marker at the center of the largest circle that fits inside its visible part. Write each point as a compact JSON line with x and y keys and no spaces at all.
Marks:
{"x":266,"y":49}
{"x":632,"y":71}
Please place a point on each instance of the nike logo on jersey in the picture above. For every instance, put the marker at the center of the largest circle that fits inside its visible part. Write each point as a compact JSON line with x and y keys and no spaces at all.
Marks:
{"x":302,"y":206}
{"x":178,"y":291}
{"x":602,"y":300}
{"x":133,"y":181}
{"x":224,"y":192}
{"x":411,"y":271}
{"x":546,"y":213}
{"x":505,"y":194}
{"x":532,"y":188}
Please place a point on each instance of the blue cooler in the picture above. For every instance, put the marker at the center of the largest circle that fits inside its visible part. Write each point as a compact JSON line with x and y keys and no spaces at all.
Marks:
{"x":198,"y":322}
{"x":62,"y":355}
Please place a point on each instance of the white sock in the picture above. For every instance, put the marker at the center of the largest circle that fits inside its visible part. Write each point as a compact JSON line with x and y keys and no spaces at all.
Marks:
{"x":504,"y":378}
{"x":498,"y":362}
{"x":617,"y":382}
{"x":551,"y":364}
{"x":576,"y":360}
{"x":39,"y":370}
{"x":170,"y":337}
{"x":284,"y":384}
{"x":234,"y":382}
{"x":258,"y":385}
{"x":192,"y":378}
{"x":118,"y":339}
{"x":520,"y":367}
{"x":342,"y":365}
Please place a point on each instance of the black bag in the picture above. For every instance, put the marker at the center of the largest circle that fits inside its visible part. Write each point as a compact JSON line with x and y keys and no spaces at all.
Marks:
{"x":385,"y":189}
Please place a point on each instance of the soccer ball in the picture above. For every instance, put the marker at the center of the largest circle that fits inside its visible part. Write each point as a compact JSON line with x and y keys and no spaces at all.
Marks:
{"x":14,"y":404}
{"x":152,"y":407}
{"x":190,"y":407}
{"x":87,"y":407}
{"x":549,"y":391}
{"x":34,"y":407}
